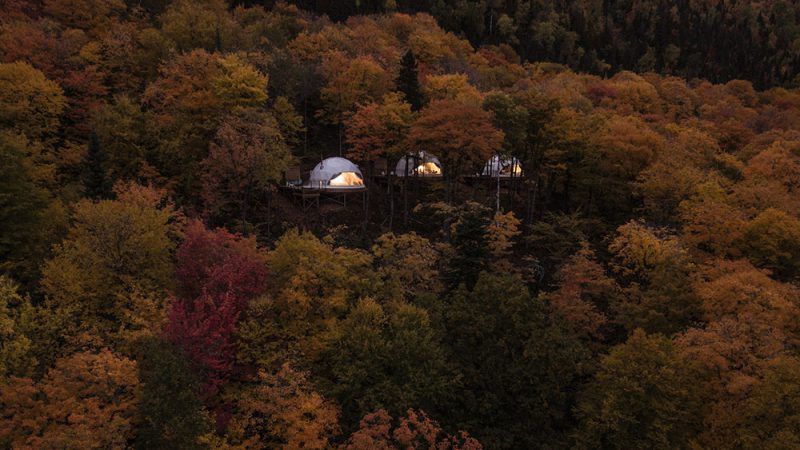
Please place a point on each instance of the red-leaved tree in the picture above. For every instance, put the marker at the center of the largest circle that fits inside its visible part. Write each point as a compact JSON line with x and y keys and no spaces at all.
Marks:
{"x":216,"y":261}
{"x":218,"y":273}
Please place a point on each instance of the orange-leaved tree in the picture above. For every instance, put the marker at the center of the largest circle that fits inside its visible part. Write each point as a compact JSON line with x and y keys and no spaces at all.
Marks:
{"x":283,"y":410}
{"x":350,"y":83}
{"x":461,"y":135}
{"x":584,"y":293}
{"x":87,"y":401}
{"x":379,"y":129}
{"x":379,"y":431}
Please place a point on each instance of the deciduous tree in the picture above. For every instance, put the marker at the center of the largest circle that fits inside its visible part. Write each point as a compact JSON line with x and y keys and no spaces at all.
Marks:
{"x":84,"y":14}
{"x":772,"y":241}
{"x":117,"y":254}
{"x":384,"y":357}
{"x":120,"y":129}
{"x":30,"y":103}
{"x":584,"y":294}
{"x":711,"y":222}
{"x":461,"y":135}
{"x":312,"y":284}
{"x":408,"y":262}
{"x":379,"y":129}
{"x":454,"y":87}
{"x":247,"y":154}
{"x":190,"y":25}
{"x":31,"y":217}
{"x":625,"y":147}
{"x":656,"y":274}
{"x":192,"y":94}
{"x":218,"y":274}
{"x":16,"y":313}
{"x":770,"y":412}
{"x":643,"y":396}
{"x":283,"y":410}
{"x":510,"y":115}
{"x":350,"y":82}
{"x":416,"y":430}
{"x":502,"y":232}
{"x":87,"y":401}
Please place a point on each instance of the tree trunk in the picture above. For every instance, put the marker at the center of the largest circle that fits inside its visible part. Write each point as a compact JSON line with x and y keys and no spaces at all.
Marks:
{"x":245,"y":204}
{"x":446,"y":178}
{"x":497,"y":199}
{"x":269,"y":213}
{"x":305,"y":126}
{"x":391,"y":201}
{"x":405,"y":196}
{"x":532,"y":193}
{"x":366,"y":194}
{"x":340,"y":138}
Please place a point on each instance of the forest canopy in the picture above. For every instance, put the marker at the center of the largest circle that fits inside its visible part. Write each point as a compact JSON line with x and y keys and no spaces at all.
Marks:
{"x":713,"y":40}
{"x":167,"y":281}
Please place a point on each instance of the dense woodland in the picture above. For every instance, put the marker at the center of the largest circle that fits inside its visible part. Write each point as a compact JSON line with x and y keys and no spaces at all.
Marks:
{"x":718,"y":40}
{"x":636,"y":289}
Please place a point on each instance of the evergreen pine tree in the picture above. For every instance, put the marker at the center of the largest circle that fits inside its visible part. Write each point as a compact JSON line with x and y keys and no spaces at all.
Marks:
{"x":518,"y":368}
{"x":408,"y":81}
{"x":95,"y":182}
{"x":470,"y":242}
{"x":171,"y":411}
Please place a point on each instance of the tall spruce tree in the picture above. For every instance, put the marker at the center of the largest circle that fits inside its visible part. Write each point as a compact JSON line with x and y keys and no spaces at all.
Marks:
{"x":171,"y":412}
{"x":408,"y":81}
{"x":95,"y":182}
{"x":519,"y":369}
{"x":30,"y":218}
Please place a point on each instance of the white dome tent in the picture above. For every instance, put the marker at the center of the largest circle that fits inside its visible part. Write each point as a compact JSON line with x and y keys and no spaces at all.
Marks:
{"x":504,"y":167}
{"x":336,"y":174}
{"x":421,"y":164}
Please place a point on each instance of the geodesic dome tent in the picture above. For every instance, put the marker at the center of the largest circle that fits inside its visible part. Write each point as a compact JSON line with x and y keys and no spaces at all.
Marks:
{"x":336,"y":173}
{"x":421,"y":164}
{"x":506,"y":167}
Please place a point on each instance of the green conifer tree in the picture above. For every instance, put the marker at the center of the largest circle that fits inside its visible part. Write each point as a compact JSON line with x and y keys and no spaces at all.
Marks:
{"x":171,"y":412}
{"x":408,"y":81}
{"x":95,"y":182}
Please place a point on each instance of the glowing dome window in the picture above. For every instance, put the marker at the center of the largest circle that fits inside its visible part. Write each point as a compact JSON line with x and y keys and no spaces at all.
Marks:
{"x":347,"y":179}
{"x":509,"y":169}
{"x":502,"y":167}
{"x":421,"y":164}
{"x":428,"y":168}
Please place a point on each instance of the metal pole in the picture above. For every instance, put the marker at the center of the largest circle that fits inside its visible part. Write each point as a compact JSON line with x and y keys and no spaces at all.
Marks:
{"x":497,"y":200}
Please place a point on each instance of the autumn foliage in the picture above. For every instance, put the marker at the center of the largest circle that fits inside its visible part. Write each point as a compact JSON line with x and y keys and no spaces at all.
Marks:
{"x":86,"y":400}
{"x":633,"y":282}
{"x":460,"y":134}
{"x":217,"y":274}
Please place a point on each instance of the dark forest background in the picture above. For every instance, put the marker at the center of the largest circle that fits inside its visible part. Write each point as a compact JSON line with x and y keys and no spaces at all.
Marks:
{"x":717,"y":40}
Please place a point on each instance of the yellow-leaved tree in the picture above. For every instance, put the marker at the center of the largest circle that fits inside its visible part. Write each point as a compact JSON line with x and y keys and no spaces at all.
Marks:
{"x":311,"y":286}
{"x":108,"y":278}
{"x":282,"y":410}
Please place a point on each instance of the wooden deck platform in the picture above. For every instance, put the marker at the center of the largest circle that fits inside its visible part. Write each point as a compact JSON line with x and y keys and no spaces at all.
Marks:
{"x":309,"y":197}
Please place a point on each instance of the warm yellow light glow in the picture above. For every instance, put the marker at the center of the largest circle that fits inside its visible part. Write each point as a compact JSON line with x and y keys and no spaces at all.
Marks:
{"x":347,"y":179}
{"x":428,"y":168}
{"x":515,"y":168}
